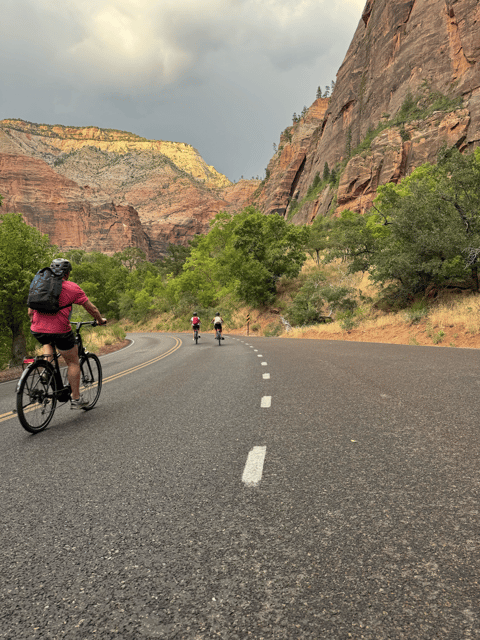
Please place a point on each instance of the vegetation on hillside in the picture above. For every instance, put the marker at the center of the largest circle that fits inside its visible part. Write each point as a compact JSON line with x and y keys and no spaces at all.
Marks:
{"x":415,"y":108}
{"x":421,"y":237}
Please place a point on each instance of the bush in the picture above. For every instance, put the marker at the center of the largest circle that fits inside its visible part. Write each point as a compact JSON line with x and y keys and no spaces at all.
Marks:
{"x":347,"y":320}
{"x":315,"y":300}
{"x":417,"y":312}
{"x":273,"y":330}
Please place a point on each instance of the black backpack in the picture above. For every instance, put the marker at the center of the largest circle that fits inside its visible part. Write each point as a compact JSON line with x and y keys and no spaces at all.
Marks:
{"x":45,"y":290}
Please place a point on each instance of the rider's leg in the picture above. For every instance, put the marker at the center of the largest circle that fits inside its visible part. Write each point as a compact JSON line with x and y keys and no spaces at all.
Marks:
{"x":48,"y":352}
{"x":73,"y":373}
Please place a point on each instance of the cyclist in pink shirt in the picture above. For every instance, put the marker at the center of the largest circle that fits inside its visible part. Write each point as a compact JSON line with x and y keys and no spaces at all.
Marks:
{"x":48,"y":328}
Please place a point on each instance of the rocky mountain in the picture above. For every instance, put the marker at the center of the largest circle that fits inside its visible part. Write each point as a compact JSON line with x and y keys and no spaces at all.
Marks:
{"x":105,"y":190}
{"x":409,"y":83}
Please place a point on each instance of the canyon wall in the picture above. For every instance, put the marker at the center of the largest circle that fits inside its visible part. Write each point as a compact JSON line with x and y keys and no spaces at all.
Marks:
{"x":104,"y":190}
{"x":409,"y":83}
{"x":72,"y":216}
{"x":418,"y":58}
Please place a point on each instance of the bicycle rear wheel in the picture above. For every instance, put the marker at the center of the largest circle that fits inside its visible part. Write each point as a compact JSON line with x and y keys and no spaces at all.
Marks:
{"x":90,"y":379}
{"x":36,"y":396}
{"x":219,"y":338}
{"x":196,"y":337}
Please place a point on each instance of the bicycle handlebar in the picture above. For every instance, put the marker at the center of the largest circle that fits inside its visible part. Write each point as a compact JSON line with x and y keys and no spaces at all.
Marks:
{"x":78,"y":325}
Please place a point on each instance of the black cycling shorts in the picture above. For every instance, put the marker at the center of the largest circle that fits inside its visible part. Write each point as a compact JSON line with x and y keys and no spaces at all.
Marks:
{"x":195,"y":326}
{"x":63,"y":341}
{"x":217,"y":326}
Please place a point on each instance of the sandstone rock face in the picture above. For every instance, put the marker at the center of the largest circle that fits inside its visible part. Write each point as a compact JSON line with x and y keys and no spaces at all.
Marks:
{"x":72,"y":216}
{"x":390,"y":157}
{"x":286,"y":166}
{"x":401,"y":49}
{"x":240,"y":194}
{"x":110,"y":189}
{"x":161,"y":192}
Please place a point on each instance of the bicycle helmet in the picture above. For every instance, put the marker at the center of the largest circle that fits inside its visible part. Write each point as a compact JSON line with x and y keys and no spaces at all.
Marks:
{"x":61,"y":265}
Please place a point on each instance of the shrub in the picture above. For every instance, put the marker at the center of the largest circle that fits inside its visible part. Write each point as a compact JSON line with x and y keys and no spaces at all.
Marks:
{"x":417,"y":312}
{"x":273,"y":330}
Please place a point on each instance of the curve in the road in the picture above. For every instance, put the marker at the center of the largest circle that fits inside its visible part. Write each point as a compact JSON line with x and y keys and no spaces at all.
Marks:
{"x":177,"y":345}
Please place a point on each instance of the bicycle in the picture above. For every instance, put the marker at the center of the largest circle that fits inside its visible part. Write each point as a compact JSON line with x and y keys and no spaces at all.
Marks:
{"x":218,"y":336}
{"x":41,"y":385}
{"x":195,"y":335}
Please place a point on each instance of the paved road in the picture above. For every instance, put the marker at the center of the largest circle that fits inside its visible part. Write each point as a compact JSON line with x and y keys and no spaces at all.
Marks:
{"x":266,"y":488}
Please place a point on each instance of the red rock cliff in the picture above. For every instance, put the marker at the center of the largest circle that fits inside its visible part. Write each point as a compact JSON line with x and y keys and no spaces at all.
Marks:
{"x":72,"y":216}
{"x":105,"y":190}
{"x":421,"y":50}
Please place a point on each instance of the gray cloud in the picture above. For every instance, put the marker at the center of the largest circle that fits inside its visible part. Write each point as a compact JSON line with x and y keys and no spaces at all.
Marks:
{"x":222,"y":75}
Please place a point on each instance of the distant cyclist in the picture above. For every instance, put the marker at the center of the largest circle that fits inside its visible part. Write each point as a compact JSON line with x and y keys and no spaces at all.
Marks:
{"x":195,"y":322}
{"x":218,"y":322}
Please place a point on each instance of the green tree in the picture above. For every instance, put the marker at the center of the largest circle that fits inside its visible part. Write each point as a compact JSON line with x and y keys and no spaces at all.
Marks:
{"x":315,"y":300}
{"x":204,"y":276}
{"x":355,"y":238}
{"x":326,"y":172}
{"x":318,"y":237}
{"x":266,"y":248}
{"x":103,"y":278}
{"x":131,"y":257}
{"x":422,"y":232}
{"x":176,"y":256}
{"x":245,"y":255}
{"x":433,"y":219}
{"x":23,"y":251}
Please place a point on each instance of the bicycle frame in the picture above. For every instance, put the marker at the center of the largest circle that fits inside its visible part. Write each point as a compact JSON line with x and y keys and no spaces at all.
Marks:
{"x":62,"y":387}
{"x":42,"y":385}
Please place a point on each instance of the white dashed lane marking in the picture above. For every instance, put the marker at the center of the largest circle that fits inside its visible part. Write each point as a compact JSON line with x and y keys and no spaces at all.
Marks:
{"x":266,"y":376}
{"x":252,"y":474}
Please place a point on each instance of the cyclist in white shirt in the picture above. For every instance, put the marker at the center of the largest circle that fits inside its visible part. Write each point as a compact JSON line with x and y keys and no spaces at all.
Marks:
{"x":217,"y":322}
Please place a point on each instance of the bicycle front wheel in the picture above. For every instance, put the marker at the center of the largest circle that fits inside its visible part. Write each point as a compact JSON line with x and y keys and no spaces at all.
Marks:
{"x":90,"y":379}
{"x":36,"y":396}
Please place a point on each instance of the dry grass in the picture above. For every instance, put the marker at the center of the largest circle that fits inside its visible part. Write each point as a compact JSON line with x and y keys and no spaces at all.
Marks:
{"x":452,"y":320}
{"x":464,"y":312}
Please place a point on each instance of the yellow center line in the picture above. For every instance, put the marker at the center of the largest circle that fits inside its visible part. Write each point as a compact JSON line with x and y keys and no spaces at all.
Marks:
{"x":6,"y":416}
{"x":115,"y":376}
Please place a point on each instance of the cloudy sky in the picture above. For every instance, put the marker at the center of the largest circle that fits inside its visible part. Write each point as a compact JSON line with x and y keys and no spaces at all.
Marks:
{"x":225,"y":76}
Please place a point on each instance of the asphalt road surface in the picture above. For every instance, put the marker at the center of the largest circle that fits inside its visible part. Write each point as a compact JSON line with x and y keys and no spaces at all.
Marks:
{"x":264,"y":488}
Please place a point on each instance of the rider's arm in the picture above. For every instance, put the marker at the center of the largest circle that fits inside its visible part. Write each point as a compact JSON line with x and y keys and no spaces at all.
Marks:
{"x":94,"y":312}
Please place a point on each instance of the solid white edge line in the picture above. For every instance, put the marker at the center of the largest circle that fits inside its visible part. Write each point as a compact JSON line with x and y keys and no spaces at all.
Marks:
{"x":252,"y":474}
